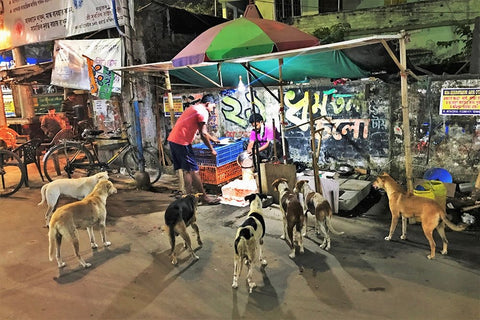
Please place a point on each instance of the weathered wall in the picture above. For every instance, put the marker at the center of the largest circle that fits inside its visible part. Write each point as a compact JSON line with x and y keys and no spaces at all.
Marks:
{"x":450,"y":142}
{"x":365,"y":126}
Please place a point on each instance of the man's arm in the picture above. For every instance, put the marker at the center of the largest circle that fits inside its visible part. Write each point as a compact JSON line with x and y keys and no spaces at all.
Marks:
{"x":206,"y":137}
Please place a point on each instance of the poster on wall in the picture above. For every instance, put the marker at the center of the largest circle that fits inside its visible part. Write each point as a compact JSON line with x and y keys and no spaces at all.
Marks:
{"x":460,"y":101}
{"x":107,"y":117}
{"x":177,"y":106}
{"x":39,"y":21}
{"x":71,"y":68}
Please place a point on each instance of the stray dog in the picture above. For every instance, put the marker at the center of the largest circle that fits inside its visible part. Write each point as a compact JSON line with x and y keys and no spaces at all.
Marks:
{"x":409,"y":205}
{"x":83,"y":214}
{"x":180,"y":214}
{"x":248,"y":239}
{"x":293,"y":216}
{"x":320,"y":208}
{"x":75,"y":188}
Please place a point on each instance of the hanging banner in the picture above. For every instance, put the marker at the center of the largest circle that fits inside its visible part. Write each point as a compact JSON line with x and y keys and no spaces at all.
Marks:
{"x":44,"y":20}
{"x":460,"y":101}
{"x":101,"y":79}
{"x":70,"y":67}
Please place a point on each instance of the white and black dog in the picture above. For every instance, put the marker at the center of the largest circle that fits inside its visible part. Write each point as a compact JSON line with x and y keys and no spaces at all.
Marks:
{"x":248,"y":240}
{"x":180,"y":214}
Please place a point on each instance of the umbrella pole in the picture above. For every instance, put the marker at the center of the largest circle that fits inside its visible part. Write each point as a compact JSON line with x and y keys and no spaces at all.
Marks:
{"x":168,"y":85}
{"x":282,"y":110}
{"x":256,"y":155}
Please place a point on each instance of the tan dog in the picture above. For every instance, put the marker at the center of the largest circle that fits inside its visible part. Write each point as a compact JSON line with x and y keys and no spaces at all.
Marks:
{"x":249,"y":241}
{"x":75,"y":188}
{"x":180,"y":214}
{"x":83,"y":214}
{"x":408,"y":205}
{"x":320,"y":208}
{"x":293,"y":216}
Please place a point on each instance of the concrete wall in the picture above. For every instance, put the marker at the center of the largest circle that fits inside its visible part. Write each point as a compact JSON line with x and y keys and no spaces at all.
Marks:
{"x":367,"y":126}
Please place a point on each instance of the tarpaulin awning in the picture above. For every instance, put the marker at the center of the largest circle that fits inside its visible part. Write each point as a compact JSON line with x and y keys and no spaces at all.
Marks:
{"x":323,"y":61}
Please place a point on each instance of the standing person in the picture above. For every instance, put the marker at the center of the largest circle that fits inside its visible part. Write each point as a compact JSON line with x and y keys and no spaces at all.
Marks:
{"x":67,"y":107}
{"x":193,"y":119}
{"x":265,"y":135}
{"x":51,"y":123}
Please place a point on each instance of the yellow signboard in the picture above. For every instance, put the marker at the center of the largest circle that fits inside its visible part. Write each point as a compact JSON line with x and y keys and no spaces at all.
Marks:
{"x":177,"y":106}
{"x":460,"y":101}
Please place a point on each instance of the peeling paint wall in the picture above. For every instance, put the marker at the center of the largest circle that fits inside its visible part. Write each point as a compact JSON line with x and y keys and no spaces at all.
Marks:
{"x":449,"y":142}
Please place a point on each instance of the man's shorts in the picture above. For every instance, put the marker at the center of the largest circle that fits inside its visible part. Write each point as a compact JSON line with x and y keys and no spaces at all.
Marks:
{"x":183,"y":157}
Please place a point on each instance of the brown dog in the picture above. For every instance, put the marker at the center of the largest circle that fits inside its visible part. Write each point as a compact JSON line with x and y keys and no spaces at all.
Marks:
{"x":83,"y":214}
{"x":180,"y":214}
{"x":409,"y":205}
{"x":320,"y":208}
{"x":293,"y":216}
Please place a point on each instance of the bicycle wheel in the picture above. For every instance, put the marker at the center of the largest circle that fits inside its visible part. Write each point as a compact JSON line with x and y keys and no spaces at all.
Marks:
{"x":12,"y":173}
{"x":67,"y":160}
{"x":152,"y":165}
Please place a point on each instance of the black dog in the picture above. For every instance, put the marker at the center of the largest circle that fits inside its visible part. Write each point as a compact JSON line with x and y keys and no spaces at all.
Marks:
{"x":180,"y":214}
{"x":249,"y":238}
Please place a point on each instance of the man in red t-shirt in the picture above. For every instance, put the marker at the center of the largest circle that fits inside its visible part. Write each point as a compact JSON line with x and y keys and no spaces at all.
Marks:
{"x":193,"y":119}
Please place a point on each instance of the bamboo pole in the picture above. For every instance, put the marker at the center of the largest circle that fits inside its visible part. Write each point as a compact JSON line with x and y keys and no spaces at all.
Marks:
{"x":168,"y":85}
{"x":282,"y":110}
{"x":312,"y":141}
{"x":405,"y":112}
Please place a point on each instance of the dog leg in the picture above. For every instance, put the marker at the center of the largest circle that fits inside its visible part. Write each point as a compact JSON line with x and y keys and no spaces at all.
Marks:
{"x":300,"y":241}
{"x":76,"y":249}
{"x":60,"y":262}
{"x":291,"y":243}
{"x":326,"y":238}
{"x":251,"y":284}
{"x":404,"y":228}
{"x":441,"y":231}
{"x":263,"y":262}
{"x":197,"y":231}
{"x":237,"y":268}
{"x":284,"y":235}
{"x":393,"y":225}
{"x":91,"y":236}
{"x":188,"y":243}
{"x":171,"y":237}
{"x":429,"y":235}
{"x":103,"y":232}
{"x":304,"y":231}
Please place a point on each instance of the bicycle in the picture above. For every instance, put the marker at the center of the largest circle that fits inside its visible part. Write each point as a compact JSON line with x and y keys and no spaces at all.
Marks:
{"x":75,"y":159}
{"x":12,"y":172}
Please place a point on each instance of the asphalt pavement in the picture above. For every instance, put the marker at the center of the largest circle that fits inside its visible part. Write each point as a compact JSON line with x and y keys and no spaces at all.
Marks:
{"x":361,"y":277}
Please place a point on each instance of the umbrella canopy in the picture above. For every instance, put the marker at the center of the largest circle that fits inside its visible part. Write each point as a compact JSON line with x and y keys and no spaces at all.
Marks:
{"x":242,"y":37}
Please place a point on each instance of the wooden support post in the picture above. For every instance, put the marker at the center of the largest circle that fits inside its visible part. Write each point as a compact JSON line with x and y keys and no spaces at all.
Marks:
{"x":312,"y":141}
{"x":168,"y":85}
{"x":405,"y":113}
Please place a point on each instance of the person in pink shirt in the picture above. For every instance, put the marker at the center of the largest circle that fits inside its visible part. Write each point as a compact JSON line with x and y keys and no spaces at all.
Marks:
{"x":193,"y":119}
{"x":264,"y":135}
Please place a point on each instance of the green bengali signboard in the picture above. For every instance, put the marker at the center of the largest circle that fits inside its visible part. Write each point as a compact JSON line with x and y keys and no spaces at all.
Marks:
{"x":41,"y":103}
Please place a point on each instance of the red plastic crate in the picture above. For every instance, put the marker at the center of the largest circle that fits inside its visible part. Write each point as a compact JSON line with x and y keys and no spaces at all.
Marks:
{"x":218,"y":175}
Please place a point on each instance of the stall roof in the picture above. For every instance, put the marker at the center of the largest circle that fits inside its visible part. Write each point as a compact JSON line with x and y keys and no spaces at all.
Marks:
{"x":323,"y":61}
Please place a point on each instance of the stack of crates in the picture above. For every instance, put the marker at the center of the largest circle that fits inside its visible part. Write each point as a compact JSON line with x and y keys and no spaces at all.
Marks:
{"x":221,"y":168}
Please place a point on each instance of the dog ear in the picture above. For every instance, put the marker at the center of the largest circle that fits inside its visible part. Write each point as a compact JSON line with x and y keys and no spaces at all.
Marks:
{"x":250,"y":197}
{"x":262,"y":196}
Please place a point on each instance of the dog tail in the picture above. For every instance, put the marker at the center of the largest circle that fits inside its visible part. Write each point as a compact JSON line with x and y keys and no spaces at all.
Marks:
{"x":328,"y":219}
{"x":42,"y":192}
{"x":451,"y":225}
{"x":52,"y":235}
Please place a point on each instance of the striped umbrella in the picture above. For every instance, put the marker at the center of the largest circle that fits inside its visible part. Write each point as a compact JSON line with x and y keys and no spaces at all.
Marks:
{"x":242,"y":37}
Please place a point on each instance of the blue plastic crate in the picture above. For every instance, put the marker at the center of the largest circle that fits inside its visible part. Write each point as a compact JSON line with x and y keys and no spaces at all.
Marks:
{"x":225,"y":153}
